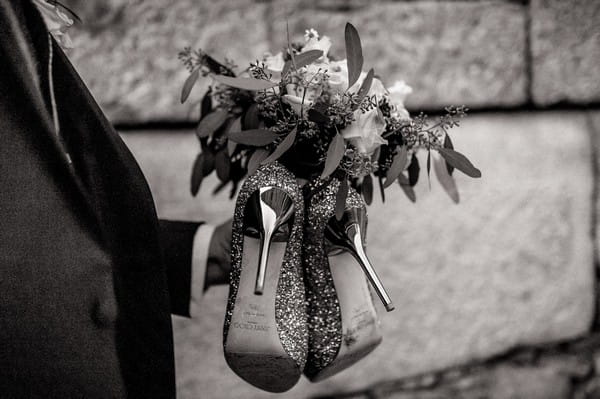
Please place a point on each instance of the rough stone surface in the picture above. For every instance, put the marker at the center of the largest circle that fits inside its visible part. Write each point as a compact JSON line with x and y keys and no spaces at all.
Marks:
{"x":594,"y":121}
{"x":462,"y":52}
{"x":512,"y":265}
{"x":130,"y":62}
{"x":565,"y":46}
{"x":457,"y":52}
{"x":503,"y":382}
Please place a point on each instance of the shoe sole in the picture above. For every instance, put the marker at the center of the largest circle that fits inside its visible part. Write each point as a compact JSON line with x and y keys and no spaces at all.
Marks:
{"x":361,"y":332}
{"x":253,"y":349}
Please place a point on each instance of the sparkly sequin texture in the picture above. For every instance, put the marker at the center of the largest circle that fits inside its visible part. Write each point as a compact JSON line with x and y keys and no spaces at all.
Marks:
{"x":290,"y":310}
{"x":324,"y":316}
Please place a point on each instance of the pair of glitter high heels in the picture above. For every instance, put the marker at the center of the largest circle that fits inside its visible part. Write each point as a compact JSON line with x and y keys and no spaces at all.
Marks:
{"x":298,"y":300}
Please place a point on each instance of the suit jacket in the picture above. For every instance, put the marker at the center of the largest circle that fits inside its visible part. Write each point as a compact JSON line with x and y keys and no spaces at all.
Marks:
{"x":88,"y":275}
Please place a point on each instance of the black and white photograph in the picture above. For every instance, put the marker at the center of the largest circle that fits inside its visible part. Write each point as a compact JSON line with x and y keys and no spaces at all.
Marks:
{"x":335,"y":199}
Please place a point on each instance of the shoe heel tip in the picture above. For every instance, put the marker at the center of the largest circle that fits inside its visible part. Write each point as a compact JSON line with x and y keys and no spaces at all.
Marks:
{"x":390,"y":307}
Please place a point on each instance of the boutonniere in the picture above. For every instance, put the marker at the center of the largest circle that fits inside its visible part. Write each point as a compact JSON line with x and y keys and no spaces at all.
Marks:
{"x":58,"y":19}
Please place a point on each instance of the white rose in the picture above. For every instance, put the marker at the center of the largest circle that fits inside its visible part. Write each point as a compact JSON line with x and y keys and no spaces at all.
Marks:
{"x":377,"y":89}
{"x":338,"y":75}
{"x":366,"y":130}
{"x":338,"y":80}
{"x":398,"y":93}
{"x":274,"y":64}
{"x":316,"y":43}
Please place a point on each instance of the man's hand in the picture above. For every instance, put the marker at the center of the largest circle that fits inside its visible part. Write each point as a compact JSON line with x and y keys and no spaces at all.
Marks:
{"x":219,"y":256}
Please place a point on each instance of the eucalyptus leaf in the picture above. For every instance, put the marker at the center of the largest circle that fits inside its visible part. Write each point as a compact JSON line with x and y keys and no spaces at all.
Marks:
{"x":302,"y":60}
{"x":208,"y":163}
{"x":397,"y":166}
{"x":255,"y":159}
{"x":197,"y":175}
{"x":413,"y":171}
{"x":367,"y":189}
{"x":448,"y":144}
{"x":285,"y":145}
{"x":429,"y":166}
{"x":365,"y":87}
{"x":216,"y":67}
{"x":253,"y":137}
{"x":211,"y":123}
{"x":189,"y":84}
{"x":409,"y":191}
{"x":460,"y":162}
{"x":206,"y":104}
{"x":222,"y":165}
{"x":381,"y":188}
{"x":231,"y":146}
{"x":340,"y":198}
{"x":445,"y":179}
{"x":245,"y":83}
{"x":335,"y":153}
{"x":234,"y":187}
{"x":236,"y":125}
{"x":403,"y":180}
{"x":251,"y":120}
{"x":220,"y":187}
{"x":353,"y":54}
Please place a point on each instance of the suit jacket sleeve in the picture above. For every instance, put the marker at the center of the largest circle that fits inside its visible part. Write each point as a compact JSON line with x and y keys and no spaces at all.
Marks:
{"x":177,"y":239}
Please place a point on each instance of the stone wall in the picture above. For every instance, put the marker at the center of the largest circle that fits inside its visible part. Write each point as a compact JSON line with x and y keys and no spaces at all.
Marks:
{"x":496,"y":297}
{"x":486,"y":54}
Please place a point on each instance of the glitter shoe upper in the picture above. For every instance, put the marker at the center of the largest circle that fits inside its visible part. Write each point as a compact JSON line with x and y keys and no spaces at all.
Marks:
{"x":290,"y":311}
{"x":324,"y":316}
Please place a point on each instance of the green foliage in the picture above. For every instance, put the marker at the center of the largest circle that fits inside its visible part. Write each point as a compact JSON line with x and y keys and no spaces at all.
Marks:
{"x":299,"y":115}
{"x":353,"y":54}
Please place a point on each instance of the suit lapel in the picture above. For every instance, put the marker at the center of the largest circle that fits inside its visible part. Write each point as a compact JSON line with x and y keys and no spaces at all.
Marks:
{"x":29,"y":57}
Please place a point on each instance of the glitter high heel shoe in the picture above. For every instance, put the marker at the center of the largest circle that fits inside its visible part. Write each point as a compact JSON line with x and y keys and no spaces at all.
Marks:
{"x":265,"y":332}
{"x":343,"y":323}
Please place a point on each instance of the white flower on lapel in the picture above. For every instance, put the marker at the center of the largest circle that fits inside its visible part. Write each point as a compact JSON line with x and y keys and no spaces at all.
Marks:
{"x":57,"y":22}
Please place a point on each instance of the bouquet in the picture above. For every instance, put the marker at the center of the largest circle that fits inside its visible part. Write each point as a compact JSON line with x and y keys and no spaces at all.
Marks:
{"x":319,"y":117}
{"x":312,"y":133}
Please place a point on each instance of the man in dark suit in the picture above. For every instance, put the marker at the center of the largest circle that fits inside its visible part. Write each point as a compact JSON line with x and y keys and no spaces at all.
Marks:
{"x":89,"y":276}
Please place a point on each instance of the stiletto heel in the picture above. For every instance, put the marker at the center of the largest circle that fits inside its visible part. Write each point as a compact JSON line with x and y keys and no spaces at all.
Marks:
{"x":265,"y":332}
{"x":346,"y":234}
{"x":342,"y":320}
{"x":275,"y":208}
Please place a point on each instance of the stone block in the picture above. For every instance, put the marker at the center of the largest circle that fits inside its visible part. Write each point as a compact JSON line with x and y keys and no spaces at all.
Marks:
{"x":129,"y":60}
{"x":565,"y":47}
{"x":594,"y":120}
{"x":453,"y":52}
{"x":501,"y":382}
{"x":511,"y":265}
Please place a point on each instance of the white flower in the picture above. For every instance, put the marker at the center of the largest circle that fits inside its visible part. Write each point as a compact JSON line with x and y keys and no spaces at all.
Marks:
{"x":338,"y":75}
{"x":338,"y":80}
{"x":310,"y":33}
{"x":57,"y":22}
{"x":296,"y":102}
{"x":308,"y":90}
{"x":377,"y":89}
{"x":366,"y":130}
{"x":274,"y":64}
{"x":316,"y":43}
{"x":398,"y":93}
